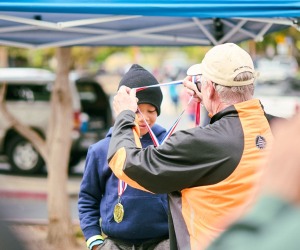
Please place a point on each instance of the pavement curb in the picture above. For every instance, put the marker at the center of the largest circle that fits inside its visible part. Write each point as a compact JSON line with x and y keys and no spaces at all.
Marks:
{"x":28,"y":194}
{"x":34,"y":221}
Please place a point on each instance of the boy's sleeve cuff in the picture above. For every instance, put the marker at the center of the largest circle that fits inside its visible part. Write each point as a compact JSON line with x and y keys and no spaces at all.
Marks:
{"x":94,"y":240}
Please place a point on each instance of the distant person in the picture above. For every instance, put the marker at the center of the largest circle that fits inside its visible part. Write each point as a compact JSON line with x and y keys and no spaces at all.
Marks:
{"x":274,"y":222}
{"x":190,"y":108}
{"x":211,"y":173}
{"x":130,"y":218}
{"x":172,"y":74}
{"x":174,"y":95}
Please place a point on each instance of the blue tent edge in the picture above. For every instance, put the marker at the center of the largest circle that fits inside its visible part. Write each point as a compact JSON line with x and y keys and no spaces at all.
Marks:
{"x":191,"y":8}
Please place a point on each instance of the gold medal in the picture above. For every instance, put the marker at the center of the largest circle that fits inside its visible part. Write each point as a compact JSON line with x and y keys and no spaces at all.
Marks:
{"x":118,"y":212}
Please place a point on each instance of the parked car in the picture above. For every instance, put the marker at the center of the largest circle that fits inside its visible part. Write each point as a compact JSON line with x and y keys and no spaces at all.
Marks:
{"x":96,"y":118}
{"x":279,"y":98}
{"x":278,"y":68}
{"x":28,"y":99}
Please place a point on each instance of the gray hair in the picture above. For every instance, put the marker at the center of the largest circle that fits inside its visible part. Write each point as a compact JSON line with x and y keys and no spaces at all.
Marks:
{"x":236,"y":94}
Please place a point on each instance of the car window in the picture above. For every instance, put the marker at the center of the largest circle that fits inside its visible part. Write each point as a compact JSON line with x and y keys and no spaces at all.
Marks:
{"x":87,"y":93}
{"x":92,"y":97}
{"x":95,"y":103}
{"x":28,"y":92}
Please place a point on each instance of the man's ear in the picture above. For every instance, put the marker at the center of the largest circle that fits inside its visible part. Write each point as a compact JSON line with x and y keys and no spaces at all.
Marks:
{"x":211,"y":89}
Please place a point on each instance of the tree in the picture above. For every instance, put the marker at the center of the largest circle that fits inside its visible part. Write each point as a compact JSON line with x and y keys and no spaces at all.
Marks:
{"x":59,"y":145}
{"x":55,"y":150}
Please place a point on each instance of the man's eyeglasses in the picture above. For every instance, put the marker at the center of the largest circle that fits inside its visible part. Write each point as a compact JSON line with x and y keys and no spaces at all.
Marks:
{"x":197,"y":80}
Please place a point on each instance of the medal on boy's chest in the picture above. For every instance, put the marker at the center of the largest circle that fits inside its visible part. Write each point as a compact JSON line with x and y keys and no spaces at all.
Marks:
{"x":119,"y":209}
{"x":118,"y":212}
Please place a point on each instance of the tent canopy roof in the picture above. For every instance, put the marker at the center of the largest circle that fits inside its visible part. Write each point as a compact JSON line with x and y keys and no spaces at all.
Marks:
{"x":56,"y":23}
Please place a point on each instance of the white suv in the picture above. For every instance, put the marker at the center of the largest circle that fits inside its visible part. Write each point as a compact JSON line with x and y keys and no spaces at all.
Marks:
{"x":28,"y":99}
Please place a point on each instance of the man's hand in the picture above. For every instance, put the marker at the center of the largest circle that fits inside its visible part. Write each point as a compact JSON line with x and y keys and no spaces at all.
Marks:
{"x":125,"y":99}
{"x":192,"y":89}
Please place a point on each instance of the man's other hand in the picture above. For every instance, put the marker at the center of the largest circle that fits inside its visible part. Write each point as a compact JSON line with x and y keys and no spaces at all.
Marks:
{"x":191,"y":89}
{"x":125,"y":99}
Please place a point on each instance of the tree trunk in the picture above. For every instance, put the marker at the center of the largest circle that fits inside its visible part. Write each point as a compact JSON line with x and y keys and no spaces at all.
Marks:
{"x":59,"y":145}
{"x":3,"y":57}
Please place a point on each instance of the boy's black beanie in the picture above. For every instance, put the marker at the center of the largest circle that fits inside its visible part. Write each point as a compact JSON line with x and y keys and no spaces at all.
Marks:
{"x":136,"y":77}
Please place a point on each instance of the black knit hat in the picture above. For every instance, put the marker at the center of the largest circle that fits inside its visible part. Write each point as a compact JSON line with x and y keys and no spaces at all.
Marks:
{"x":137,"y":76}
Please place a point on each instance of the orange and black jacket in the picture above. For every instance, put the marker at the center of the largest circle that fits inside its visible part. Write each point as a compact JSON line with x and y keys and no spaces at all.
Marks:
{"x":210,"y":173}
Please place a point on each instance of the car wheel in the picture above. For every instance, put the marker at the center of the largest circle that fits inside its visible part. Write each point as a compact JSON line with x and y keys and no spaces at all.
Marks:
{"x":75,"y":158}
{"x":23,"y":157}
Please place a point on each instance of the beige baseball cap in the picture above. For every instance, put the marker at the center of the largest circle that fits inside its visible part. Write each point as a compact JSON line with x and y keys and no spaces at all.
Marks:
{"x":194,"y":70}
{"x":223,"y":63}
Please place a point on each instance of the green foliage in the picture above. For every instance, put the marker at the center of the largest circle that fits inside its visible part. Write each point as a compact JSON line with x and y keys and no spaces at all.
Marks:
{"x":274,"y":38}
{"x":196,"y":53}
{"x":29,"y":57}
{"x":103,"y":53}
{"x":93,"y":57}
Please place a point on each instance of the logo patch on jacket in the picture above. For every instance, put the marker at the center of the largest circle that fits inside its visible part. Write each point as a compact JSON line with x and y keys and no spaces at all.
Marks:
{"x":260,"y":142}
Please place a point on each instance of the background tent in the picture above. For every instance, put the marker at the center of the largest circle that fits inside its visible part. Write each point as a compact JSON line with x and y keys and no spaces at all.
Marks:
{"x":53,"y":23}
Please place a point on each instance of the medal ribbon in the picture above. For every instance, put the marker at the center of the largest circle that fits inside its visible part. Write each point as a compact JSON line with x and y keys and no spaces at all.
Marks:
{"x":122,"y":185}
{"x":152,"y":135}
{"x":156,"y":142}
{"x":171,"y":130}
{"x":159,"y":85}
{"x":121,"y":188}
{"x":198,"y":106}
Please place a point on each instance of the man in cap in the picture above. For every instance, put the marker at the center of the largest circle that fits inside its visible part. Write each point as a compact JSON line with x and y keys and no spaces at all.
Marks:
{"x":211,"y":173}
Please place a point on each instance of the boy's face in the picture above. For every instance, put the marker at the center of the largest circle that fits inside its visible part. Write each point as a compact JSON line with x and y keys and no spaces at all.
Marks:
{"x":150,"y":115}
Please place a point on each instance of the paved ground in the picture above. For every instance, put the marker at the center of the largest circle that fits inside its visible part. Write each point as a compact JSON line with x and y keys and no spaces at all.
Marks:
{"x":31,"y":187}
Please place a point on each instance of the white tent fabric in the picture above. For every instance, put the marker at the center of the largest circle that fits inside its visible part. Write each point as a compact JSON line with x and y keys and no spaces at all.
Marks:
{"x":43,"y":24}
